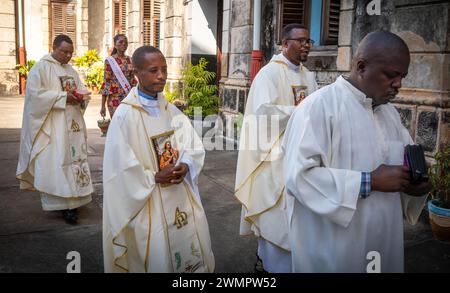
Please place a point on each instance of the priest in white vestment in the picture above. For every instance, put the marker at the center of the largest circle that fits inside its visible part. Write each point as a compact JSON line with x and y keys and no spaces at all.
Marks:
{"x":153,"y":218}
{"x":275,"y":92}
{"x":347,"y":188}
{"x":53,"y":146}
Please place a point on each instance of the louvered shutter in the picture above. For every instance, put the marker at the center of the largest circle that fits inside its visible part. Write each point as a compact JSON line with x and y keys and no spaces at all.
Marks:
{"x":63,"y":20}
{"x":292,"y":11}
{"x":123,"y":17}
{"x":150,"y":22}
{"x":120,"y":16}
{"x":330,"y":22}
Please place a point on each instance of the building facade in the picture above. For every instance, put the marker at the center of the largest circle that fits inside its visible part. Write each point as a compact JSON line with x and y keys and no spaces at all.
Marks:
{"x":228,"y":32}
{"x":337,"y":27}
{"x":30,"y":26}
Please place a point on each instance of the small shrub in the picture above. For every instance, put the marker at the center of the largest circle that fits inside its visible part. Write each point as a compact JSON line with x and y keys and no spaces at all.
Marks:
{"x":24,"y":69}
{"x":88,"y":59}
{"x":439,"y":175}
{"x":94,"y":75}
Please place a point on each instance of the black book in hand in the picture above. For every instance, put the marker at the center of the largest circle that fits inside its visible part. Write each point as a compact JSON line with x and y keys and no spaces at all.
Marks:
{"x":415,"y":160}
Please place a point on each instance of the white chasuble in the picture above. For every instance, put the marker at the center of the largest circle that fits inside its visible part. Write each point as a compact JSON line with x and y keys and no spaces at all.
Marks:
{"x":53,"y":148}
{"x":333,"y":136}
{"x":274,"y":94}
{"x":151,"y":227}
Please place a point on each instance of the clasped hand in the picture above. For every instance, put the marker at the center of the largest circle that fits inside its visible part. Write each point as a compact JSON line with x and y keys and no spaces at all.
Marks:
{"x":172,"y":174}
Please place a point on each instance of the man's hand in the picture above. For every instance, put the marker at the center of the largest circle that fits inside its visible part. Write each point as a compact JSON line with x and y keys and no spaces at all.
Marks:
{"x":71,"y":99}
{"x":390,"y":178}
{"x":172,"y":174}
{"x":419,"y":189}
{"x":180,"y":171}
{"x":165,"y":175}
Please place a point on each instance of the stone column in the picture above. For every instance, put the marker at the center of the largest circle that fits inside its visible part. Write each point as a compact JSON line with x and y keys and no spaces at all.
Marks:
{"x":172,"y":33}
{"x":96,"y":25}
{"x":46,"y":43}
{"x":134,"y":25}
{"x":9,"y":78}
{"x":82,"y":27}
{"x":234,"y":84}
{"x":107,"y":36}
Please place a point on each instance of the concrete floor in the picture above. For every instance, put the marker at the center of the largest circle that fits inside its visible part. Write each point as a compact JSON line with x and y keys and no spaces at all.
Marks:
{"x":35,"y":241}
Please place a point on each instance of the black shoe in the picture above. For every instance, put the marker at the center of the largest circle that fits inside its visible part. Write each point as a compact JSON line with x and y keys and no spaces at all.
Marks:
{"x":70,"y":216}
{"x":259,"y":268}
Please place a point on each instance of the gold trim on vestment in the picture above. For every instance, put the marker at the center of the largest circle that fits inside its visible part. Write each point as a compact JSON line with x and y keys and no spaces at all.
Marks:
{"x":190,"y":197}
{"x":123,"y":246}
{"x":121,"y":230}
{"x":147,"y":253}
{"x":259,"y":164}
{"x":34,"y":141}
{"x":167,"y":133}
{"x":155,"y":157}
{"x":33,"y":188}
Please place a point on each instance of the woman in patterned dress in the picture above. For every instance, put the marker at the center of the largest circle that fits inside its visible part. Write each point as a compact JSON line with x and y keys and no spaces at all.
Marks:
{"x":112,"y":90}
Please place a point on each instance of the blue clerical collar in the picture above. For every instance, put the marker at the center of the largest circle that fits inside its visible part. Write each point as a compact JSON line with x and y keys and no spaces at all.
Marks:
{"x":145,"y":96}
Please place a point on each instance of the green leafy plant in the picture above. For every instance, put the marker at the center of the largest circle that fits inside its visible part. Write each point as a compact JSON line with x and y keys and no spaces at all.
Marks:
{"x":24,"y":69}
{"x":174,"y":97}
{"x":197,"y":89}
{"x":88,"y":59}
{"x":439,"y":175}
{"x":94,"y":75}
{"x":239,"y":120}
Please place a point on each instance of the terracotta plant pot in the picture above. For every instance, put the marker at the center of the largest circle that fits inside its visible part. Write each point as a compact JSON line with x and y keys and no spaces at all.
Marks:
{"x":440,"y":221}
{"x":103,"y":124}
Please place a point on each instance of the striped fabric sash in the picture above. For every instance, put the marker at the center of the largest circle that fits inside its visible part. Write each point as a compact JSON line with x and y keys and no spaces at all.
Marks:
{"x":119,"y":74}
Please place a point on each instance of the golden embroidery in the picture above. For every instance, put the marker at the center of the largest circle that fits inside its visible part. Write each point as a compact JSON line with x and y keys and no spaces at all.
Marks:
{"x":82,"y":174}
{"x":192,"y":268}
{"x":180,"y":219}
{"x":75,"y":126}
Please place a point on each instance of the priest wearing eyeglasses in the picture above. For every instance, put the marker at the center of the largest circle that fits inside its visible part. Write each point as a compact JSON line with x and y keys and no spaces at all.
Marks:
{"x":275,"y":92}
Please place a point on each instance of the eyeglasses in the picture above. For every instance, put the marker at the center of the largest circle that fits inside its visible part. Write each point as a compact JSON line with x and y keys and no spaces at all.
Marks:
{"x":303,"y":41}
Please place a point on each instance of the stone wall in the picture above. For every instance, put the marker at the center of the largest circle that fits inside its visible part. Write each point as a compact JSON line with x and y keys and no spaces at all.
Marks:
{"x":423,"y":101}
{"x":9,"y":78}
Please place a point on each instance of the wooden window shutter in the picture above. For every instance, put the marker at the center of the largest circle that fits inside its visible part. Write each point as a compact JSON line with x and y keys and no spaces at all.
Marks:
{"x":330,"y":22}
{"x":292,"y":11}
{"x":123,"y":17}
{"x":151,"y":10}
{"x":63,"y":20}
{"x":120,"y":17}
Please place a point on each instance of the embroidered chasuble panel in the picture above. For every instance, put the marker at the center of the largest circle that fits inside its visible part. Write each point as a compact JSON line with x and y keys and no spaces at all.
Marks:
{"x":76,"y":133}
{"x":177,"y":200}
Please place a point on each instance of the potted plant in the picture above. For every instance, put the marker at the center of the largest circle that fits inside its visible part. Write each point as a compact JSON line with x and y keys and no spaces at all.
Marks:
{"x":439,"y":205}
{"x":24,"y":69}
{"x":89,"y":69}
{"x":94,"y":76}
